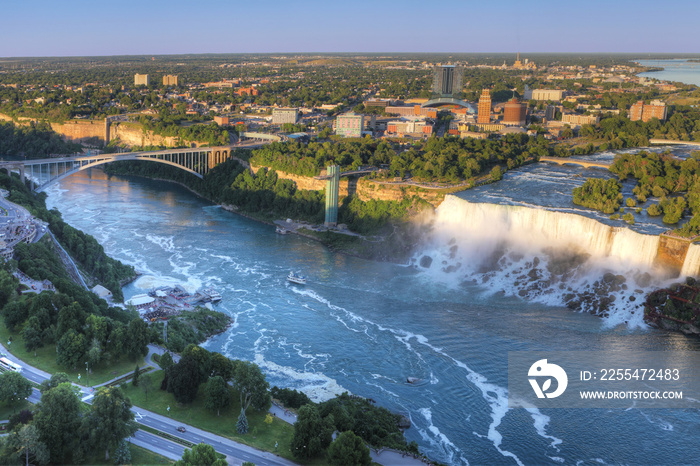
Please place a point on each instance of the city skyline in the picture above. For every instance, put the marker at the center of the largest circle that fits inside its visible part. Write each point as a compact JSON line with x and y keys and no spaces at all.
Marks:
{"x":82,"y":28}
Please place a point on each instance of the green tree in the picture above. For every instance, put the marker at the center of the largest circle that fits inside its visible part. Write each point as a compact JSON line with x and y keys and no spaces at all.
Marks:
{"x":25,"y":443}
{"x":202,"y":358}
{"x":183,"y":380}
{"x":135,"y":380}
{"x":496,"y":173}
{"x":71,"y":348}
{"x":138,"y":338}
{"x":122,"y":454}
{"x":165,"y":361}
{"x":218,"y":395}
{"x":8,"y":285}
{"x":110,"y":419}
{"x":146,"y":383}
{"x":14,"y":388}
{"x":200,"y":455}
{"x":311,"y":433}
{"x":221,"y":365}
{"x":32,"y":335}
{"x":56,"y":379}
{"x":242,"y":424}
{"x":251,"y":385}
{"x":349,"y":450}
{"x":58,"y":420}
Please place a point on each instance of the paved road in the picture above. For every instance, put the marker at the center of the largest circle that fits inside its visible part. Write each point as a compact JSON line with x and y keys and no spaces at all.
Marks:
{"x":236,"y":453}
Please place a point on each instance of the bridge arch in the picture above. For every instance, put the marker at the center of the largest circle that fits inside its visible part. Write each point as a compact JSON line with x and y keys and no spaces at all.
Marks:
{"x":106,"y":161}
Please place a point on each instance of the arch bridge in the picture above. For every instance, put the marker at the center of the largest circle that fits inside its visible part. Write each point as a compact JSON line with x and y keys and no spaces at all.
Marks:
{"x":44,"y":172}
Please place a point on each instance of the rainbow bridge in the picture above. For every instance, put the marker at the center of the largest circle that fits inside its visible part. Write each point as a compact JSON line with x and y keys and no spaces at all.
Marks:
{"x":44,"y":172}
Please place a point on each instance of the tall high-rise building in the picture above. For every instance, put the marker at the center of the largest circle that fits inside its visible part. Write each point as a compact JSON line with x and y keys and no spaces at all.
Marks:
{"x":141,"y":80}
{"x":549,"y":112}
{"x":169,"y":80}
{"x":484,"y":110}
{"x":447,"y":80}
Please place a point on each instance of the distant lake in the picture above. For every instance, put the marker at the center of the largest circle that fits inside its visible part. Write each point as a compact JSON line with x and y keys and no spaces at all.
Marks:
{"x":679,"y":69}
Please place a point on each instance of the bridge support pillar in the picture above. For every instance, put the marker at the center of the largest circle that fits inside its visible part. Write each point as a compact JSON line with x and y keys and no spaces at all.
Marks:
{"x":21,"y":173}
{"x":332,"y":193}
{"x":211,"y":161}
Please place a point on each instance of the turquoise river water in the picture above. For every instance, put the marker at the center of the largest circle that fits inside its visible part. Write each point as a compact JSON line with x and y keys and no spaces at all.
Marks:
{"x":364,"y":327}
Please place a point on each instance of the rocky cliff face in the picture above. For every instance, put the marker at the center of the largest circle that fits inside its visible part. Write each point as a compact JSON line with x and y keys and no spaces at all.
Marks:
{"x":95,"y":132}
{"x":364,"y":188}
{"x":81,"y":130}
{"x":672,"y":252}
{"x":132,"y":134}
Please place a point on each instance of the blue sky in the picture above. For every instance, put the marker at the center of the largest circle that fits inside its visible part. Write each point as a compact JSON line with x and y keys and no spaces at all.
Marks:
{"x":129,"y":27}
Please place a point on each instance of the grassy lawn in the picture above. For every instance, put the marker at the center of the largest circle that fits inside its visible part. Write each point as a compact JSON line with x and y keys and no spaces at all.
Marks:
{"x":260,"y":435}
{"x":45,"y":360}
{"x":138,"y":456}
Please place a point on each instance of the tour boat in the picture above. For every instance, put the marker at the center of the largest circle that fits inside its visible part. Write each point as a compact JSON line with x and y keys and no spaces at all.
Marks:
{"x":213,"y":295}
{"x":298,"y":279}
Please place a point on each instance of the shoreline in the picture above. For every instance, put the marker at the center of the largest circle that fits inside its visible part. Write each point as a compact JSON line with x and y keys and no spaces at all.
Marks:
{"x":234,"y":210}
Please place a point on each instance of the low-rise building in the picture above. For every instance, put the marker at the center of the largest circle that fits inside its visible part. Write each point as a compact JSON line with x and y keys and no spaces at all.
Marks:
{"x":222,"y":120}
{"x":543,"y":94}
{"x":102,"y":292}
{"x":408,"y":111}
{"x":409,"y":127}
{"x":349,"y":125}
{"x":645,"y":112}
{"x":580,"y":120}
{"x":281,"y":116}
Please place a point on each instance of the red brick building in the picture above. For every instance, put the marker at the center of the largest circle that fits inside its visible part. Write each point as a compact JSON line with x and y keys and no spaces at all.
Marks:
{"x":514,"y":113}
{"x":645,"y":112}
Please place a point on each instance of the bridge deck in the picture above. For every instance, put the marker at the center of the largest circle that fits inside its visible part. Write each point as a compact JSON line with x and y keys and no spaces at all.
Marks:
{"x":582,"y":162}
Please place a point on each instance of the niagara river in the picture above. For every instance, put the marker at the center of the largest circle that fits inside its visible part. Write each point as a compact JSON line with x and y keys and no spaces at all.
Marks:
{"x":448,"y":318}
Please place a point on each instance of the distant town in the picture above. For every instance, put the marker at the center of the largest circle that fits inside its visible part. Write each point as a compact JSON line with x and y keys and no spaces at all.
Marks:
{"x":293,"y":98}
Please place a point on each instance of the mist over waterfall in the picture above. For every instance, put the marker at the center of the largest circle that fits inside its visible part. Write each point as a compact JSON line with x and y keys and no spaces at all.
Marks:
{"x":551,"y":257}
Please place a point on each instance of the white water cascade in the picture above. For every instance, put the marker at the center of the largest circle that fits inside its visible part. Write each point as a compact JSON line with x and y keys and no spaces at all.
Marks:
{"x":545,"y":256}
{"x":691,"y":265}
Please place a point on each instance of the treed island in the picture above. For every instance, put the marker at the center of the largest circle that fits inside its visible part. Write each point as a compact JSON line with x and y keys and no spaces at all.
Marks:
{"x":286,"y":120}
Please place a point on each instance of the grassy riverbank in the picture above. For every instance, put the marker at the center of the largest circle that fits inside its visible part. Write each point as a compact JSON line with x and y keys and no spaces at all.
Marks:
{"x":260,"y":435}
{"x":45,"y":360}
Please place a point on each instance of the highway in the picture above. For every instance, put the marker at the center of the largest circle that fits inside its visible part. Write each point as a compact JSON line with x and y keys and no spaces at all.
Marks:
{"x":236,"y":453}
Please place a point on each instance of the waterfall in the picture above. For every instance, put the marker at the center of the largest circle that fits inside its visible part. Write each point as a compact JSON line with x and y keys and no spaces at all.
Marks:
{"x":545,"y":256}
{"x":531,"y":228}
{"x":691,"y":266}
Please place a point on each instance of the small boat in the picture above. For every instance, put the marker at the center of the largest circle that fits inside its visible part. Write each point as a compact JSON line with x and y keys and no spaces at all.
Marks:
{"x":413,"y":379}
{"x":211,"y":294}
{"x":295,"y":278}
{"x":281,"y":231}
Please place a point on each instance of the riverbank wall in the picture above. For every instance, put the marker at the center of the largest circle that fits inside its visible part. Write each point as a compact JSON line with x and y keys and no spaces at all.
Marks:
{"x":365,"y":189}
